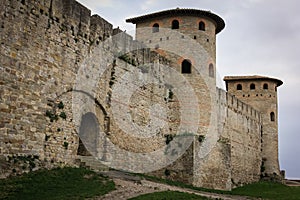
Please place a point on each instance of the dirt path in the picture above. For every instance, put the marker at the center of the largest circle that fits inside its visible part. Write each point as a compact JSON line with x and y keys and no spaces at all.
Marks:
{"x":131,"y":186}
{"x":295,"y":183}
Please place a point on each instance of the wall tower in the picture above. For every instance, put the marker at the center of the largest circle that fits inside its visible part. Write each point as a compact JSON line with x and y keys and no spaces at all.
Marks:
{"x":260,"y":92}
{"x":191,"y":34}
{"x":200,"y":25}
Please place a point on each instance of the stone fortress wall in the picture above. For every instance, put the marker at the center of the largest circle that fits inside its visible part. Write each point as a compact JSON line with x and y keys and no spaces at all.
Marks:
{"x":243,"y":131}
{"x":43,"y":44}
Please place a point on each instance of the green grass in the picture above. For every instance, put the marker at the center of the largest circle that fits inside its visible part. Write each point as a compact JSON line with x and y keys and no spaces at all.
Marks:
{"x":262,"y":189}
{"x":268,"y":190}
{"x":60,"y":183}
{"x":80,"y":183}
{"x":168,"y":195}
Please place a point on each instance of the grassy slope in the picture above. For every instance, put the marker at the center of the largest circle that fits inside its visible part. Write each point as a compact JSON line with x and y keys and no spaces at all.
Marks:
{"x":65,"y":183}
{"x":269,"y":190}
{"x":263,"y":189}
{"x":79,"y":183}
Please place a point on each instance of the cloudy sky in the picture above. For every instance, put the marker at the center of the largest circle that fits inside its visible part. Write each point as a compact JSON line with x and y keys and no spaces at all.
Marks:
{"x":261,"y":37}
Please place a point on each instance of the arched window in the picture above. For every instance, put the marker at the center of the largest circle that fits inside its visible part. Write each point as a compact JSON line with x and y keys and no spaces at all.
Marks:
{"x":239,"y":87}
{"x":201,"y":26}
{"x":186,"y":67}
{"x":266,"y":86}
{"x":252,"y":86}
{"x":155,"y":28}
{"x":211,"y":70}
{"x":175,"y":24}
{"x":272,"y":116}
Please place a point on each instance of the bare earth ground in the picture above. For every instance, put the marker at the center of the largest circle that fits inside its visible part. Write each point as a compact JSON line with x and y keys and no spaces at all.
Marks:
{"x":128,"y":186}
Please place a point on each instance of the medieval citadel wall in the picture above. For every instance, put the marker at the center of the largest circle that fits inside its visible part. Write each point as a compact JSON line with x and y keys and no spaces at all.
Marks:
{"x":235,"y":158}
{"x":42,"y":46}
{"x":244,"y":127}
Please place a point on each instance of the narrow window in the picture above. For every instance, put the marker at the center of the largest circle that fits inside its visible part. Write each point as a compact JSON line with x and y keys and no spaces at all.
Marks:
{"x":272,"y":116}
{"x":186,"y":67}
{"x":201,"y":26}
{"x":155,"y":28}
{"x":211,"y":70}
{"x":239,"y":87}
{"x":175,"y":24}
{"x":266,"y":86}
{"x":252,"y":86}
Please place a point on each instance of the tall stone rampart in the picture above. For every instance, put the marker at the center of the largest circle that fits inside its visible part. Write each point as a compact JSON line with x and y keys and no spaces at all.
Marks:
{"x":42,"y":46}
{"x":243,"y":131}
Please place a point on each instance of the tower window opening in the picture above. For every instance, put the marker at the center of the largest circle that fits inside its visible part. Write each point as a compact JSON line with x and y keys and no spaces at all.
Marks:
{"x":155,"y":28}
{"x":266,"y":86}
{"x":252,"y":86}
{"x":201,"y":26}
{"x":175,"y":24}
{"x":239,"y":87}
{"x":211,"y":70}
{"x":186,"y":67}
{"x":272,"y":116}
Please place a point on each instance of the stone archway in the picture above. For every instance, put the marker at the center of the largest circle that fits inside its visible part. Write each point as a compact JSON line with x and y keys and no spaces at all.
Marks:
{"x":88,"y":135}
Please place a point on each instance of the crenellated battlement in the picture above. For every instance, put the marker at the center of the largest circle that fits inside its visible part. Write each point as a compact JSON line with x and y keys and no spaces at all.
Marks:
{"x":237,"y":105}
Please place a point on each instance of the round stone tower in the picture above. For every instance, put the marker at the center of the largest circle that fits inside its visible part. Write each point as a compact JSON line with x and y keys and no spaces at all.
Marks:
{"x":260,"y":92}
{"x":187,"y":38}
{"x":199,"y":25}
